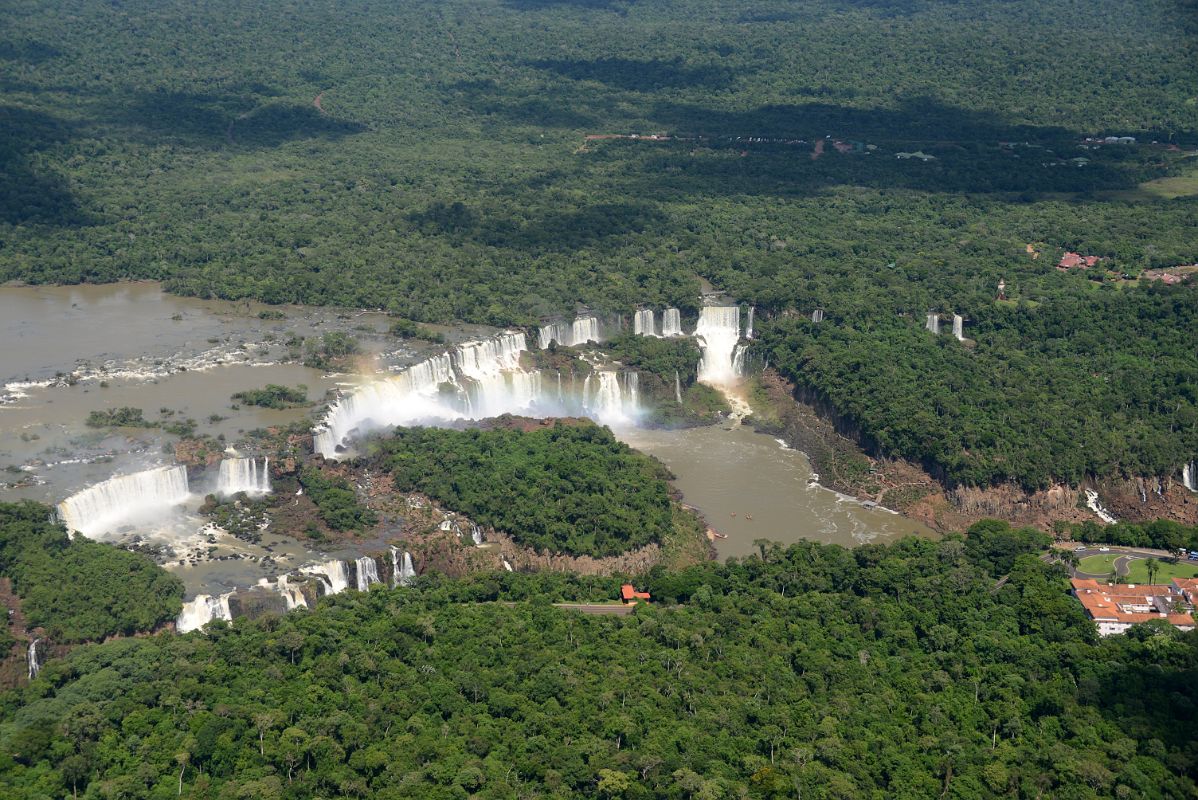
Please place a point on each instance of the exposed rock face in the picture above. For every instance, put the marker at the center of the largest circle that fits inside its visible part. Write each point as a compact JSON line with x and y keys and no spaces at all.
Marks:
{"x":1142,"y":499}
{"x":838,"y":454}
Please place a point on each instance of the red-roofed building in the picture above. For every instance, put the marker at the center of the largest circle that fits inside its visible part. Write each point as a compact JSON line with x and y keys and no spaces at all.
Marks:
{"x":1076,"y":261}
{"x":1115,"y":608}
{"x":630,"y":595}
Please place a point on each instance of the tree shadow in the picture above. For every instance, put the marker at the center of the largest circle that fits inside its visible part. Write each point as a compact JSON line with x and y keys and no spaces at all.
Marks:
{"x":29,"y":51}
{"x":241,"y":119}
{"x":546,"y":230}
{"x":28,"y":194}
{"x":640,"y":76}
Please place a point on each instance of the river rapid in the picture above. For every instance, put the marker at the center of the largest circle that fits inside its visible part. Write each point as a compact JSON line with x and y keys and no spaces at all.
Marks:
{"x":73,"y":350}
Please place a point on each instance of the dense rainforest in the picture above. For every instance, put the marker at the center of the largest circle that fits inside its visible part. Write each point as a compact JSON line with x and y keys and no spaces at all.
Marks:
{"x":901,"y":671}
{"x":79,"y":590}
{"x":877,"y":159}
{"x":569,"y":488}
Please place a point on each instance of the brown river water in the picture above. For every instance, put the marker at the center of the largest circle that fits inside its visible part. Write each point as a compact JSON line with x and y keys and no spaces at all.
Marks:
{"x":133,"y":345}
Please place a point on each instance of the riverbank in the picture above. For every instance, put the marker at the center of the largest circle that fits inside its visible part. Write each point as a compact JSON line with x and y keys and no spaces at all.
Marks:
{"x":839,"y":457}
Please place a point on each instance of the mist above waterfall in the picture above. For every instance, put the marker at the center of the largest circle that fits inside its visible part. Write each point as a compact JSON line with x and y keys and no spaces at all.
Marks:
{"x":476,"y":380}
{"x":103,"y":508}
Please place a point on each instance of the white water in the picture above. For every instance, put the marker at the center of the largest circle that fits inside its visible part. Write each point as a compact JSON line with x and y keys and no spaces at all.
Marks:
{"x":959,"y":327}
{"x":474,"y":381}
{"x":817,"y":315}
{"x":476,"y":535}
{"x":644,"y":323}
{"x":294,"y":597}
{"x":581,"y":331}
{"x":332,"y":574}
{"x":368,"y":573}
{"x":933,"y":323}
{"x":749,"y":324}
{"x":405,"y":571}
{"x":677,"y":388}
{"x":1093,"y":504}
{"x":35,"y":666}
{"x":243,"y":475}
{"x":507,"y":565}
{"x":671,"y":323}
{"x":203,"y":609}
{"x":718,"y":333}
{"x":117,"y":501}
{"x":1188,"y":477}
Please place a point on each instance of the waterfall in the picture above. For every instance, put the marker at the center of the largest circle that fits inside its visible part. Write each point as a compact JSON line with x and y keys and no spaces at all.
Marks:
{"x":507,"y":565}
{"x":294,"y":597}
{"x":476,"y":535}
{"x":817,"y":315}
{"x":585,"y":329}
{"x":677,"y":388}
{"x":1187,"y":477}
{"x":738,"y":360}
{"x":671,"y":323}
{"x":106,"y":506}
{"x":632,"y":389}
{"x":243,"y":475}
{"x":644,"y":323}
{"x":333,"y":575}
{"x":933,"y":323}
{"x":718,"y":333}
{"x":203,"y":609}
{"x":581,"y":331}
{"x":368,"y":573}
{"x":35,"y":666}
{"x":474,"y":380}
{"x":959,"y":327}
{"x":749,"y":324}
{"x":405,"y":571}
{"x":1093,"y":504}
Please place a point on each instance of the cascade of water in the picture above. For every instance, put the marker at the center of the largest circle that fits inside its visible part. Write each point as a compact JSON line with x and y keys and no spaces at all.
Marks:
{"x":368,"y":573}
{"x":632,"y":389}
{"x":560,"y":397}
{"x":749,"y":324}
{"x":644,"y":323}
{"x":671,"y":322}
{"x":294,"y":597}
{"x":332,"y":573}
{"x":476,"y":379}
{"x":476,"y":535}
{"x":553,"y":332}
{"x":1188,"y":477}
{"x":959,"y":327}
{"x":31,"y":656}
{"x":718,"y":333}
{"x":677,"y":388}
{"x":104,"y":507}
{"x":933,"y":323}
{"x":817,"y":315}
{"x":1093,"y":504}
{"x":243,"y":475}
{"x":585,"y":329}
{"x":203,"y":609}
{"x":507,"y":565}
{"x":407,"y":571}
{"x":738,"y":360}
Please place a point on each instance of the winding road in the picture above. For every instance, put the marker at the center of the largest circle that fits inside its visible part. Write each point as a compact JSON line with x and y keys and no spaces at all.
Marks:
{"x":1122,"y":564}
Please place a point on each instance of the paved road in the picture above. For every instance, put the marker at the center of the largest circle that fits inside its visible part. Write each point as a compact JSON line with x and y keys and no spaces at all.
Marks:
{"x":1121,"y":564}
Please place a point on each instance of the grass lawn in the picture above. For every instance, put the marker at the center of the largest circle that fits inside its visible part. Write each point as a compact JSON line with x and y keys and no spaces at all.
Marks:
{"x":1138,"y":571}
{"x":1098,"y":565}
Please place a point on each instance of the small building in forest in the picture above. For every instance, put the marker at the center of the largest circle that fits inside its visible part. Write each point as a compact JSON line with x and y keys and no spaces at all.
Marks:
{"x":631,"y":596}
